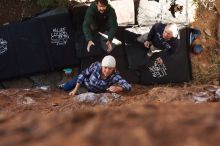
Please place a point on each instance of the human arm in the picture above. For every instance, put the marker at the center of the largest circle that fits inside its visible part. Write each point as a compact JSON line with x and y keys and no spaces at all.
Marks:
{"x":73,"y":92}
{"x":115,"y":89}
{"x":90,"y":43}
{"x":150,"y":36}
{"x":119,"y":84}
{"x":88,"y":20}
{"x":87,"y":72}
{"x":112,"y":23}
{"x":152,"y":33}
{"x":147,"y":44}
{"x":87,"y":27}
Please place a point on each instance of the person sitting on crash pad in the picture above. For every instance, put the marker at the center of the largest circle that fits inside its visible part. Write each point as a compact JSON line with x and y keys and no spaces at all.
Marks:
{"x":100,"y":17}
{"x":161,"y":37}
{"x":99,"y":78}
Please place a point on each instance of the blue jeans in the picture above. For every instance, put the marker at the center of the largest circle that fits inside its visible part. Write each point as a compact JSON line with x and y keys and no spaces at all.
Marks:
{"x":70,"y":84}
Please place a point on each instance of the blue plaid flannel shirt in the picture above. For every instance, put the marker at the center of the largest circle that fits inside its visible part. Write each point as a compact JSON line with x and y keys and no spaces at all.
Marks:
{"x":91,"y":78}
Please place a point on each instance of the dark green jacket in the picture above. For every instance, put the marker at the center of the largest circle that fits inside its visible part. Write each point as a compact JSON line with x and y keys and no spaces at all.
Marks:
{"x":108,"y":19}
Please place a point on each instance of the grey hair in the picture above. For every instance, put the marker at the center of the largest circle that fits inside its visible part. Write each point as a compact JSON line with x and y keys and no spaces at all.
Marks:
{"x":172,"y":27}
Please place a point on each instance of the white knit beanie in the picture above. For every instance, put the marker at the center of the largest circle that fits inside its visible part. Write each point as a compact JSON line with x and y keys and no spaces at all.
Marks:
{"x":173,"y":28}
{"x":109,"y":61}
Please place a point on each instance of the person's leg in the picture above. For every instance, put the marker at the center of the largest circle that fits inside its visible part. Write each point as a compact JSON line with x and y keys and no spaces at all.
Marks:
{"x":70,"y":84}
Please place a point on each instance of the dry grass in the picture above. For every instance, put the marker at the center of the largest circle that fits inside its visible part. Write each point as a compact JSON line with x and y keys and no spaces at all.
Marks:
{"x":206,"y":66}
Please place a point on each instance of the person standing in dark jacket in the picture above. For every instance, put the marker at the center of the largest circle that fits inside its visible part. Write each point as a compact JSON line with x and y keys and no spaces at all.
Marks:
{"x":161,"y":37}
{"x":100,"y":17}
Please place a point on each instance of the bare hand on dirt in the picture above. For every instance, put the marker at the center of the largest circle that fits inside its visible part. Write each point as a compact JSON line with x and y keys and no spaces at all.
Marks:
{"x":73,"y":92}
{"x":109,"y":46}
{"x":90,"y":43}
{"x":114,"y":89}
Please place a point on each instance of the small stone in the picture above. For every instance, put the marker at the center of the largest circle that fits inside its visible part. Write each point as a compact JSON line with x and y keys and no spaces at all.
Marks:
{"x":208,"y":32}
{"x":211,"y":89}
{"x":202,"y":94}
{"x":44,"y":88}
{"x":55,"y":104}
{"x":217,"y":93}
{"x":28,"y":100}
{"x":199,"y":99}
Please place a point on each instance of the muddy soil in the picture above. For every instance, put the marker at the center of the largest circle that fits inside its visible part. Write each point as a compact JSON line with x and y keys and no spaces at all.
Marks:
{"x":148,"y":115}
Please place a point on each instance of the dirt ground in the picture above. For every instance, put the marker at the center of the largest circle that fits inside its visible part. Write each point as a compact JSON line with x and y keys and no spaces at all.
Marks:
{"x":148,"y":115}
{"x":168,"y":115}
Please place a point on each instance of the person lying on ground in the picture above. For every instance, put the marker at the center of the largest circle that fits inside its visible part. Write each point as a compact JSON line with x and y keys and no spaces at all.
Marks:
{"x":100,"y":17}
{"x":99,"y":78}
{"x":161,"y":37}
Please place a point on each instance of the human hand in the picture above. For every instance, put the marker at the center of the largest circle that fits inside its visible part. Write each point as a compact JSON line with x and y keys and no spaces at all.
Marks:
{"x":115,"y":89}
{"x":90,"y":43}
{"x":73,"y":92}
{"x":147,"y":44}
{"x":159,"y":60}
{"x":109,"y":46}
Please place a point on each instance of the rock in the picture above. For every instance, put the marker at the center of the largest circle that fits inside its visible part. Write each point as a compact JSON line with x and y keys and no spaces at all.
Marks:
{"x":212,"y":96}
{"x":116,"y":96}
{"x":211,"y":89}
{"x":93,"y":98}
{"x":103,"y":100}
{"x":198,"y":99}
{"x":86,"y":97}
{"x":39,"y":80}
{"x":28,"y":100}
{"x":18,"y":83}
{"x":55,"y":104}
{"x":44,"y":88}
{"x":217,"y":94}
{"x":201,"y":97}
{"x":47,"y":79}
